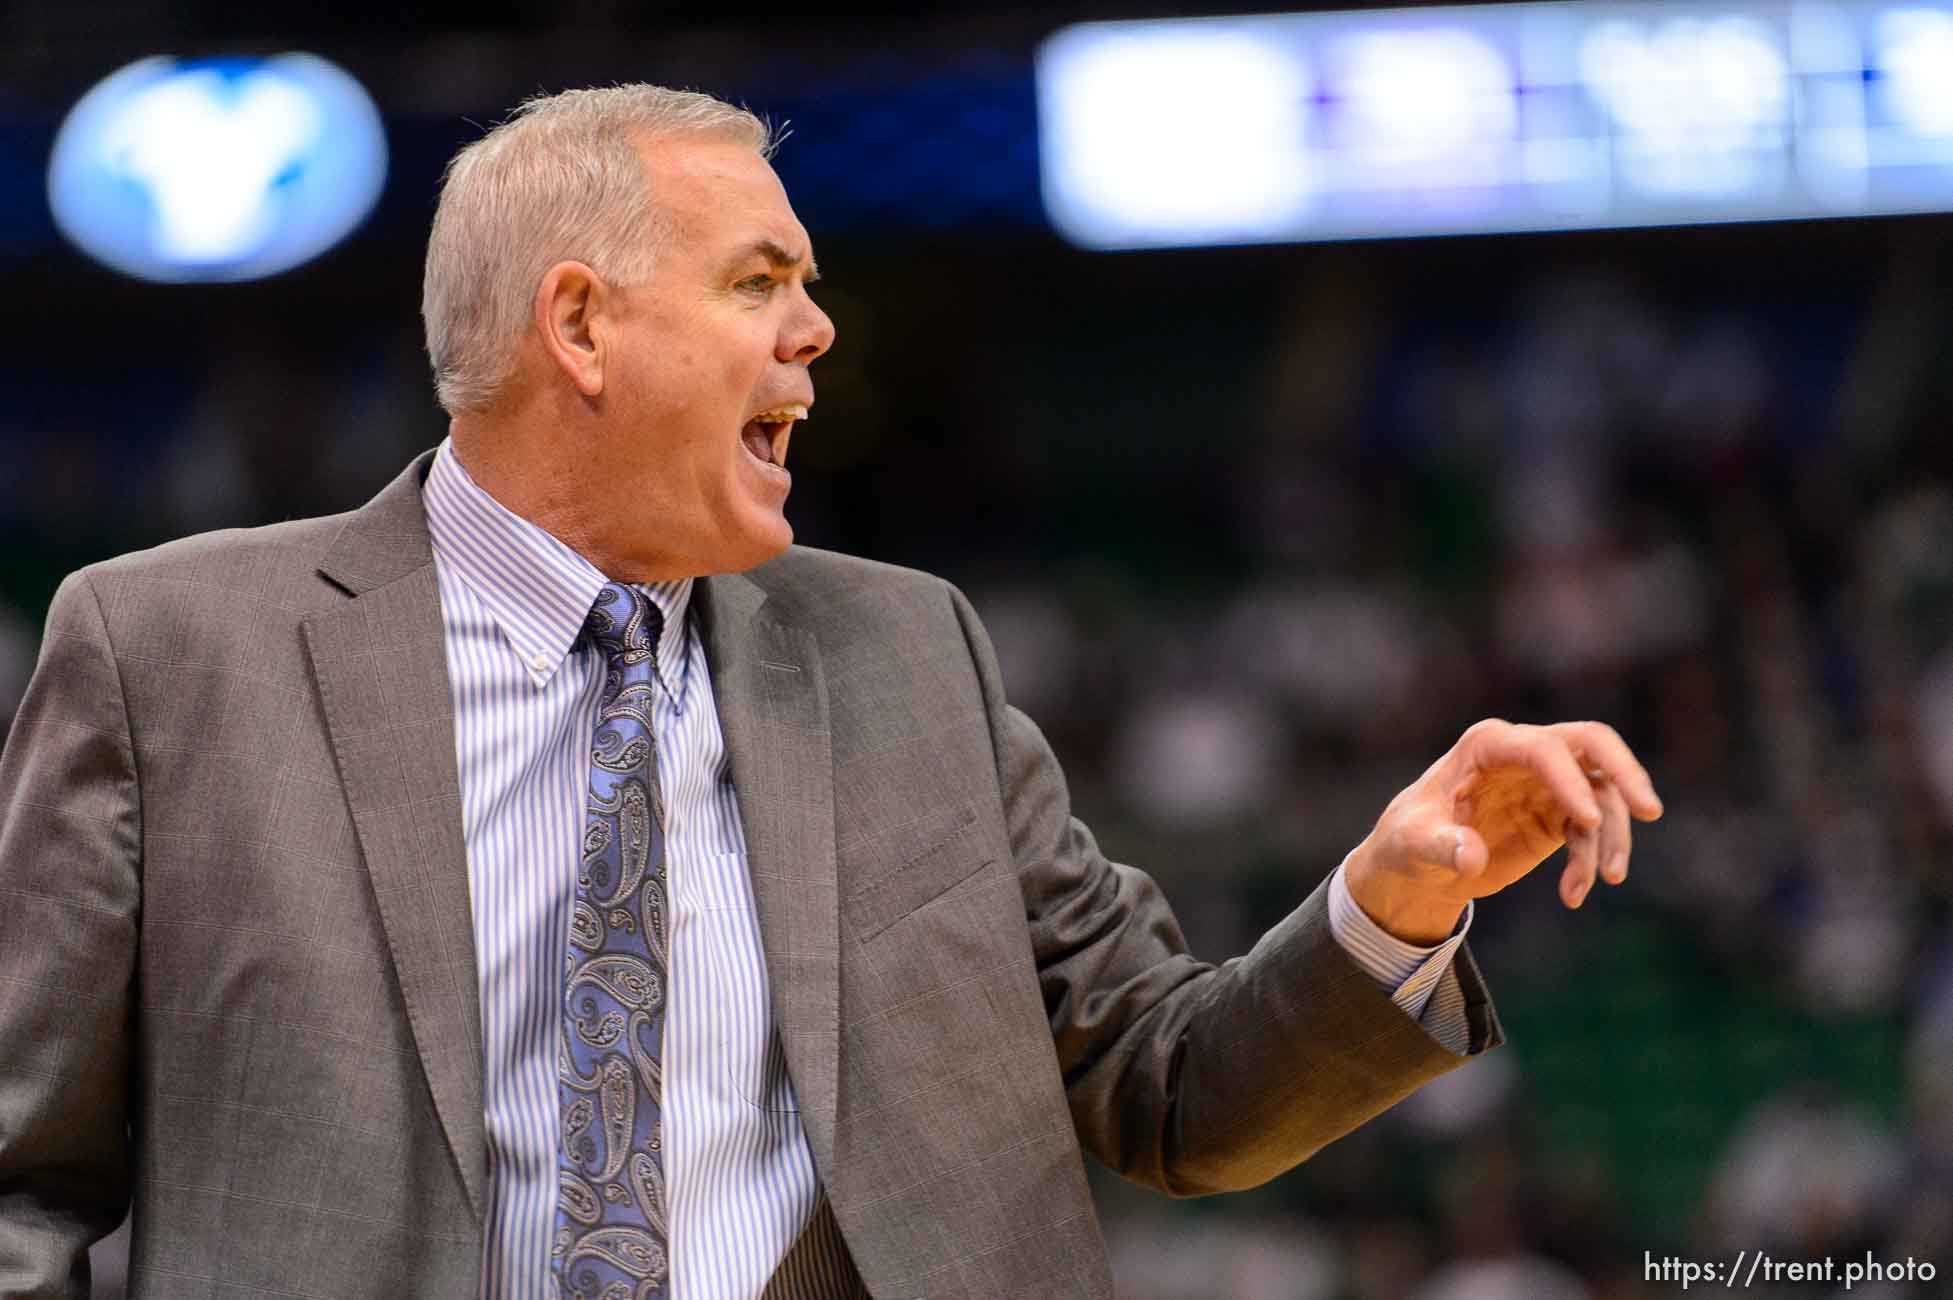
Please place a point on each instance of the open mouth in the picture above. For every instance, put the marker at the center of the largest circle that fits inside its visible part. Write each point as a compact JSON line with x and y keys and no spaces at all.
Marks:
{"x":766,"y":435}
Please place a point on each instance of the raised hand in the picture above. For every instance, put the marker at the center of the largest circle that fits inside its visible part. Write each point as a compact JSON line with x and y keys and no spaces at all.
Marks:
{"x":1497,"y":805}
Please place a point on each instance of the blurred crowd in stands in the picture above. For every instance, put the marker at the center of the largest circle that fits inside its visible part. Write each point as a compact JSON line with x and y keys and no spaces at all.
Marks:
{"x":1257,"y":533}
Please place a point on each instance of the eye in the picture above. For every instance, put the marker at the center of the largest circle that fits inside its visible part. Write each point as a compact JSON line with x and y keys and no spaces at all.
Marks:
{"x":758,"y":283}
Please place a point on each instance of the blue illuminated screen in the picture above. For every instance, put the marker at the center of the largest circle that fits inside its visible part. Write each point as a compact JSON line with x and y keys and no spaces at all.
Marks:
{"x":1493,"y":118}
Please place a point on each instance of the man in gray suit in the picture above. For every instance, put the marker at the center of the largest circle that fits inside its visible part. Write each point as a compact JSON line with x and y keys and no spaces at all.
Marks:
{"x":546,"y":880}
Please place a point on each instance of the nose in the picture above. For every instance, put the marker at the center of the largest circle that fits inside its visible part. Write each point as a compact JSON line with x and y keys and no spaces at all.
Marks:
{"x":808,"y":333}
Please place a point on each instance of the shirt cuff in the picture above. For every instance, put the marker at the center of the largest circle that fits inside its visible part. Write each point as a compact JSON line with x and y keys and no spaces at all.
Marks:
{"x":1407,"y":972}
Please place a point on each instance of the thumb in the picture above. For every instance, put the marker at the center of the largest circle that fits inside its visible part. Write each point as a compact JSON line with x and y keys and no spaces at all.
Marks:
{"x":1459,"y":847}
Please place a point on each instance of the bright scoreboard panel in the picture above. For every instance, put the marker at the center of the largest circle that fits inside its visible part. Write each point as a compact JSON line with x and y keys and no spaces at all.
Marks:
{"x":1481,"y":118}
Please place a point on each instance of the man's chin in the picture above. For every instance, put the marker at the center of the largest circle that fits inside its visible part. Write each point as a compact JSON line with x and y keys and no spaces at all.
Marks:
{"x":754,"y":546}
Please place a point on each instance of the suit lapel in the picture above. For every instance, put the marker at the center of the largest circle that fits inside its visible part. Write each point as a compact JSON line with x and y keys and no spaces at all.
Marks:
{"x":380,"y":667}
{"x":772,"y":699}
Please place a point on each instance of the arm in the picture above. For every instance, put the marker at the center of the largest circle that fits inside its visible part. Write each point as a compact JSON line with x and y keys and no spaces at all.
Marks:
{"x":70,"y":849}
{"x":1184,"y":1076}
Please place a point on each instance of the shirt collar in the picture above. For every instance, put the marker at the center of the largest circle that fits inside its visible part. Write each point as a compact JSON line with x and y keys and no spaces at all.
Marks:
{"x":536,"y":588}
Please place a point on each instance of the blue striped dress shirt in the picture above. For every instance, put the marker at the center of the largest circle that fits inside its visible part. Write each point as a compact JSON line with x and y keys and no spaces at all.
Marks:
{"x":740,"y":1177}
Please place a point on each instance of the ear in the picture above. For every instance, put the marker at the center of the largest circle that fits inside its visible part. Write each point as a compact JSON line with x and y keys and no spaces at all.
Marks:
{"x":569,"y":304}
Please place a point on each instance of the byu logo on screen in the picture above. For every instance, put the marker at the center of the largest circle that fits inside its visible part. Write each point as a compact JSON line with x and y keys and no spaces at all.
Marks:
{"x":217,"y":169}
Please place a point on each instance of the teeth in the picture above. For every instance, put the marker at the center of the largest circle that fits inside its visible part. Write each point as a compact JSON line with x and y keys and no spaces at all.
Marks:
{"x":782,"y":413}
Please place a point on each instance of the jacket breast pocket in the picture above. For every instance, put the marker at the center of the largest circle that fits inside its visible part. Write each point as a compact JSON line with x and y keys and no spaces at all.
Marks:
{"x":953,"y":849}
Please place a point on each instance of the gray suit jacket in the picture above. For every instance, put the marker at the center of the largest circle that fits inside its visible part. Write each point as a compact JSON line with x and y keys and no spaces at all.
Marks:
{"x":237,"y":970}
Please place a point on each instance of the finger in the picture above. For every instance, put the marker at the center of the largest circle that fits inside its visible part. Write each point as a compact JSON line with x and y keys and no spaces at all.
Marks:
{"x":1616,"y":836}
{"x":1545,"y":754}
{"x":1582,"y":857}
{"x":1600,"y":746}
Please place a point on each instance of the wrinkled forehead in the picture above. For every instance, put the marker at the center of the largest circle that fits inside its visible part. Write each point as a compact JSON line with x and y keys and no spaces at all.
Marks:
{"x":718,"y":195}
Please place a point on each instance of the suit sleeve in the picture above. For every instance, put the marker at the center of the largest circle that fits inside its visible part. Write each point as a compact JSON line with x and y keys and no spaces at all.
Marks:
{"x":70,"y":839}
{"x":1184,"y":1076}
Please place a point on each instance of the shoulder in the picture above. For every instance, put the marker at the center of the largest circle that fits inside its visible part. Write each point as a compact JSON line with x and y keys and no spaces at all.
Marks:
{"x":296,"y":544}
{"x":827,"y":585}
{"x":846,"y":600}
{"x":834,"y":575}
{"x":274,"y":565}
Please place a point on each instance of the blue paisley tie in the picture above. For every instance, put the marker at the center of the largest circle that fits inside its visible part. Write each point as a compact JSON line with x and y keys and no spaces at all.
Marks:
{"x":611,"y":1240}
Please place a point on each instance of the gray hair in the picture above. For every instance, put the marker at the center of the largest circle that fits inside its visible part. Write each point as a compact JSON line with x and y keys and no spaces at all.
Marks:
{"x":559,"y":179}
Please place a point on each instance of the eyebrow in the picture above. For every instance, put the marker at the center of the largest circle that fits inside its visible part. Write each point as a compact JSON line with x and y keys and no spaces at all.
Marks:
{"x":781,"y":260}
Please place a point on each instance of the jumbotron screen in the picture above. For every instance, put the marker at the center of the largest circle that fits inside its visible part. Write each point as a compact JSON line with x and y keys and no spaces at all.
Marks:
{"x":1555,"y":116}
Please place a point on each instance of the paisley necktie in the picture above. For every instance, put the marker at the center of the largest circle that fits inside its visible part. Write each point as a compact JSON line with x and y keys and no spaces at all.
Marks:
{"x":611,"y":1240}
